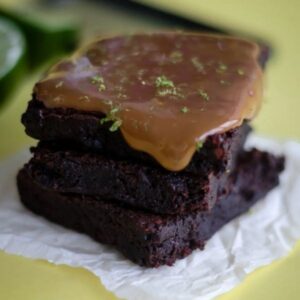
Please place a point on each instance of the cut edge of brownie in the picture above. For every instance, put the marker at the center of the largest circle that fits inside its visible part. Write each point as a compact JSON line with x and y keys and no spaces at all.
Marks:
{"x":133,"y":184}
{"x":149,"y":239}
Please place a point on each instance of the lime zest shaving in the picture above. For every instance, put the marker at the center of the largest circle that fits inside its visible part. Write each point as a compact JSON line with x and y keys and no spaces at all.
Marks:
{"x":112,"y":117}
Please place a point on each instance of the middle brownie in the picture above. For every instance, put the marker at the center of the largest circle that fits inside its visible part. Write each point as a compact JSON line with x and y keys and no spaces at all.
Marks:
{"x":131,"y":183}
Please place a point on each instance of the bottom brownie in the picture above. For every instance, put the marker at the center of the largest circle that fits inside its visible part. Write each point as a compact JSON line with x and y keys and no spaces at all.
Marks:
{"x":149,"y":239}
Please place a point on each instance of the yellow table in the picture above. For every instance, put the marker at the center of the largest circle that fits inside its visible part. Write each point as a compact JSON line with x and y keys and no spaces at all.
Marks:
{"x":275,"y":20}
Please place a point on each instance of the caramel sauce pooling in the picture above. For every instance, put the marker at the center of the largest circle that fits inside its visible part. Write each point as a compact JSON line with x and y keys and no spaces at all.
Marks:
{"x":166,"y":92}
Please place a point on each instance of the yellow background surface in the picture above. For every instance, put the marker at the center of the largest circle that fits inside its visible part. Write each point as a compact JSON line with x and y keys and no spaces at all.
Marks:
{"x":278,"y":22}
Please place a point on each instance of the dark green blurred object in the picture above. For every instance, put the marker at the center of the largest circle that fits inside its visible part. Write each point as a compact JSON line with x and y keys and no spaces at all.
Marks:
{"x":12,"y":57}
{"x":45,"y":39}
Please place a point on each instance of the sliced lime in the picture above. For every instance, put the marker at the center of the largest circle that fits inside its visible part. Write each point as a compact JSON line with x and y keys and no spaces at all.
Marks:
{"x":46,"y":37}
{"x":12,"y":57}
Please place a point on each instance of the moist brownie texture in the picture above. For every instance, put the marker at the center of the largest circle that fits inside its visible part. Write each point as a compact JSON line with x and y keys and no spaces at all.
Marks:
{"x":138,"y":185}
{"x":190,"y":174}
{"x":151,"y":239}
{"x":81,"y":130}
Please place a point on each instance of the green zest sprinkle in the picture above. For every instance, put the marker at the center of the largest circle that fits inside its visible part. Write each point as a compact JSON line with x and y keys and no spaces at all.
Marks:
{"x":224,"y":82}
{"x":184,"y":110}
{"x":121,"y":96}
{"x":59,"y":84}
{"x":114,"y":110}
{"x":203,"y":94}
{"x":176,"y":56}
{"x":197,"y":64}
{"x":222,"y":68}
{"x":101,"y":87}
{"x":96,"y":79}
{"x":166,"y":87}
{"x":163,"y":81}
{"x":199,"y":145}
{"x":241,"y":72}
{"x":99,"y":80}
{"x":111,"y":117}
{"x":115,"y":125}
{"x":85,"y":98}
{"x":165,"y":92}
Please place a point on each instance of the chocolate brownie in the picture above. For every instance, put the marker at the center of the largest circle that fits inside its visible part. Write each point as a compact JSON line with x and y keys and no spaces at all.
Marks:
{"x":135,"y":83}
{"x":81,"y":130}
{"x":138,"y":185}
{"x":150,"y":239}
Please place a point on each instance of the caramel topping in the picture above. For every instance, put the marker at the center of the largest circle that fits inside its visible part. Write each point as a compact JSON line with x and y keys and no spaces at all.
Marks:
{"x":166,"y":92}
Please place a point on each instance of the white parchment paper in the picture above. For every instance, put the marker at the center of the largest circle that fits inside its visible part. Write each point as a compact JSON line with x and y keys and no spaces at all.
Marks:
{"x":257,"y":238}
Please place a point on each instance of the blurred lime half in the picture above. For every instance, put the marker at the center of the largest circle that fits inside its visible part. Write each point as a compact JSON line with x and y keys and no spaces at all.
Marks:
{"x":12,"y":56}
{"x":47,"y":35}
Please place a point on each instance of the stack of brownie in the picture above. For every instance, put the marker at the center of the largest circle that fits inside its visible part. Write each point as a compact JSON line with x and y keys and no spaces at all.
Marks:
{"x":86,"y":175}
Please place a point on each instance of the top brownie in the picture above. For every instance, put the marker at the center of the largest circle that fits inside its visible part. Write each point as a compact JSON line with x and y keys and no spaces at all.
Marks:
{"x":172,"y":99}
{"x":80,"y":130}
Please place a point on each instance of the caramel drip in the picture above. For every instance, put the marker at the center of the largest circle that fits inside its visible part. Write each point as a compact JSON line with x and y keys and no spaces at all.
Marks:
{"x":164,"y":91}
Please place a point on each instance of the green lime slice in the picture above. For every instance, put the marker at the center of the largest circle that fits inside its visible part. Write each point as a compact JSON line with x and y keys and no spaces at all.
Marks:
{"x":46,"y":36}
{"x":12,"y":57}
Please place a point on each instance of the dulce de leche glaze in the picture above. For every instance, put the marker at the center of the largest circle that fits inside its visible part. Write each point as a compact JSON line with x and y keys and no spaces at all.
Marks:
{"x":166,"y":92}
